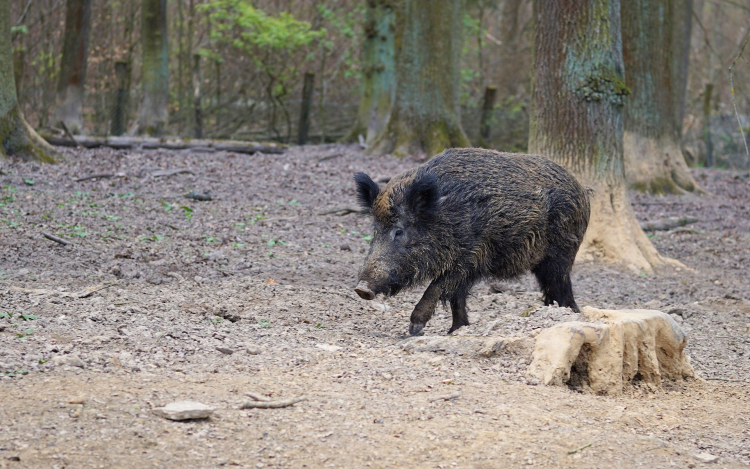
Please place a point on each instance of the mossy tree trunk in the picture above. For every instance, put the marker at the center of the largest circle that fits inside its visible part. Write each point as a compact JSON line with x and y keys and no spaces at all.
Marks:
{"x":152,"y":117}
{"x":378,"y":71}
{"x":70,"y":84}
{"x":654,"y":34}
{"x":17,"y":138}
{"x":577,"y":119}
{"x":425,"y":116}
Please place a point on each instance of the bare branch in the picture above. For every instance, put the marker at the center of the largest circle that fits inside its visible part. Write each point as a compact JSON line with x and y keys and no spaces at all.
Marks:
{"x":731,"y":86}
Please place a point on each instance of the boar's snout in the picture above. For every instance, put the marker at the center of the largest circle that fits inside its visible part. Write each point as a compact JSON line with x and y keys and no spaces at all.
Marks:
{"x":364,"y":291}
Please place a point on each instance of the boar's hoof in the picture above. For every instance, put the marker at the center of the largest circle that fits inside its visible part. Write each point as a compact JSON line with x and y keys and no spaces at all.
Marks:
{"x":364,"y":292}
{"x":416,"y":329}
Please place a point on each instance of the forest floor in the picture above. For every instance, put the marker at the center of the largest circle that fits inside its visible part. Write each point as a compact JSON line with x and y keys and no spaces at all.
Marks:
{"x":261,"y":274}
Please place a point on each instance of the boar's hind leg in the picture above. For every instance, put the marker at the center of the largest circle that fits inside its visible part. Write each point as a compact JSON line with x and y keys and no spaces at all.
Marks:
{"x":424,"y":309}
{"x":553,"y":274}
{"x":458,"y":308}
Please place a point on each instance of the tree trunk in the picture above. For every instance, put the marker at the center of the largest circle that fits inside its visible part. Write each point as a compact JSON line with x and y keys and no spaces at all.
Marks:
{"x":152,"y":118}
{"x":577,"y":119}
{"x":17,"y":138}
{"x":378,"y":71}
{"x":425,"y":116}
{"x":197,"y":95}
{"x":654,"y":52}
{"x":70,"y":84}
{"x":304,"y":115}
{"x":488,"y":108}
{"x":119,"y":109}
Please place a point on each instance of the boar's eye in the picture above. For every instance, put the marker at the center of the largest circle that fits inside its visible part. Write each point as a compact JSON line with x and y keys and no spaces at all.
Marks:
{"x":397,"y":233}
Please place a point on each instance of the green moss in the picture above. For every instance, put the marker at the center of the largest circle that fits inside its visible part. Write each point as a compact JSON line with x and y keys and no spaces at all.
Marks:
{"x":604,"y":84}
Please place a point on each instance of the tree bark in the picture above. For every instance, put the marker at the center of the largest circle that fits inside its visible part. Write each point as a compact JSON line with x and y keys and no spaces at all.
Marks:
{"x":72,"y":78}
{"x":425,"y":116}
{"x":152,"y":118}
{"x":654,"y":37}
{"x":17,"y":138}
{"x":378,"y":71}
{"x":577,"y":120}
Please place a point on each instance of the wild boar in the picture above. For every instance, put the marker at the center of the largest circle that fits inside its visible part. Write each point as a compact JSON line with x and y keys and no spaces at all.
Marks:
{"x":471,"y":214}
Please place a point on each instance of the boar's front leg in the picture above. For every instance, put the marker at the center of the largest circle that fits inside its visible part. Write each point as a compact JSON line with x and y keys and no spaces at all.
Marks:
{"x":424,"y":309}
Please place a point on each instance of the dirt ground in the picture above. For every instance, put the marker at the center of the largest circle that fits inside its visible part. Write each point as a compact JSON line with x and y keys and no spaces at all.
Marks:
{"x":260,"y":273}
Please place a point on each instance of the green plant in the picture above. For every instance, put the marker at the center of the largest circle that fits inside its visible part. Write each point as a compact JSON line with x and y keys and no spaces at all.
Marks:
{"x":28,"y":317}
{"x":24,"y":334}
{"x":168,"y":206}
{"x":79,"y":231}
{"x":28,"y":182}
{"x":264,"y":323}
{"x":188,"y":212}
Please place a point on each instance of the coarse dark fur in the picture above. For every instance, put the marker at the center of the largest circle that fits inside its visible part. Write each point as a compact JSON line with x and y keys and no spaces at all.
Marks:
{"x":470,"y":214}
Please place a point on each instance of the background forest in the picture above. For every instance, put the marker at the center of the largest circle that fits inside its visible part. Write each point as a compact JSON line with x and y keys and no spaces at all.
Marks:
{"x":247,"y":61}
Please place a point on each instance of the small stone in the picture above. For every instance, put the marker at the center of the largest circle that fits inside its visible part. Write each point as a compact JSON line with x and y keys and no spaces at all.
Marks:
{"x":158,"y":263}
{"x":329,"y":348}
{"x":216,"y":255}
{"x":198,"y":279}
{"x":69,"y":360}
{"x":345,"y":247}
{"x":680,"y":312}
{"x":678,"y":319}
{"x":252,"y":350}
{"x":706,"y":458}
{"x":77,"y":400}
{"x":184,"y":410}
{"x":225,"y":350}
{"x":387,"y":376}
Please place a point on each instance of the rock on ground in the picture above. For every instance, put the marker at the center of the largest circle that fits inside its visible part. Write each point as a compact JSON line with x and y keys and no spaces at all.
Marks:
{"x":184,"y":410}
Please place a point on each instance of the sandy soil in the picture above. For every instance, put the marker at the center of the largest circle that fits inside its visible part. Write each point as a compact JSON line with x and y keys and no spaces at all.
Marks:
{"x":259,"y":272}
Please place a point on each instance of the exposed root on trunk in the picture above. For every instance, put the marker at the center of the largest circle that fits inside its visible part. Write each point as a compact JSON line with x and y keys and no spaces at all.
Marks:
{"x":657,"y":166}
{"x":614,"y":235}
{"x":17,"y":138}
{"x":404,"y":137}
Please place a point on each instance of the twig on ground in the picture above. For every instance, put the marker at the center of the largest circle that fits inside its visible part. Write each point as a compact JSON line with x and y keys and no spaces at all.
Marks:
{"x":81,"y":294}
{"x":96,"y":176}
{"x":70,"y":135}
{"x":329,"y":157}
{"x":271,"y":404}
{"x":449,"y":397}
{"x":573,"y":451}
{"x":666,"y":224}
{"x":341,"y":211}
{"x":56,"y":239}
{"x":257,"y":397}
{"x":383,"y":179}
{"x":170,"y":172}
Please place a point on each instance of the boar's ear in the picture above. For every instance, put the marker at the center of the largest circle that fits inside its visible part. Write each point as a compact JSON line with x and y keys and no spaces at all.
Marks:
{"x":367,"y":190}
{"x":423,"y":197}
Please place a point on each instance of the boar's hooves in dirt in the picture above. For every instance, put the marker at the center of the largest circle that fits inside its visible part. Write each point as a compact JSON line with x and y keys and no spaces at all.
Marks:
{"x":416,"y":329}
{"x":364,"y":291}
{"x":470,"y":214}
